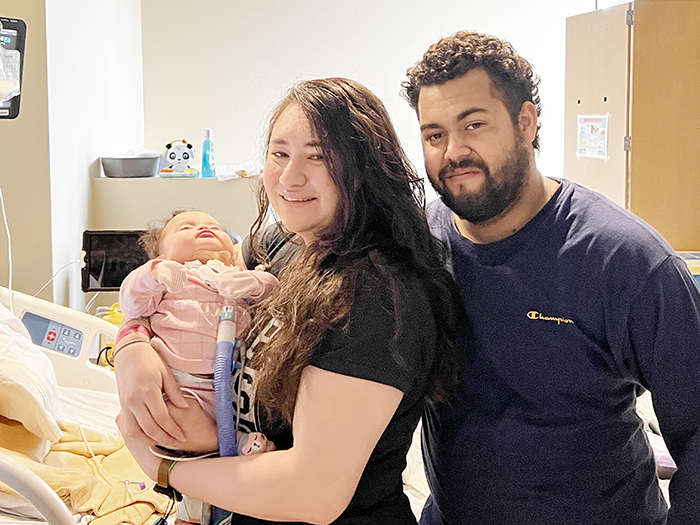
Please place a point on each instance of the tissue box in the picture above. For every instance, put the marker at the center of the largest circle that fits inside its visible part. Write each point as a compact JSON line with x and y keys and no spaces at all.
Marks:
{"x":129,"y":167}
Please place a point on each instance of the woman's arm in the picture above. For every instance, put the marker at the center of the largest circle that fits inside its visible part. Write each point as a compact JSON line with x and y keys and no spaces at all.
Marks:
{"x":142,"y":379}
{"x":338,"y":421}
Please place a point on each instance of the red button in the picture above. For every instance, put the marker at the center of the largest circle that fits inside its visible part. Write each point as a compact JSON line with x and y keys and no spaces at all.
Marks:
{"x":51,"y":336}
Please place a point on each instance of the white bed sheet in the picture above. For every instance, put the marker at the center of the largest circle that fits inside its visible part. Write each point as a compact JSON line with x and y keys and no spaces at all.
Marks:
{"x":89,"y":409}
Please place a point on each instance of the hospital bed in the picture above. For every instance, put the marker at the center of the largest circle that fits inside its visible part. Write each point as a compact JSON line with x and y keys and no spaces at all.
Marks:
{"x":65,"y":462}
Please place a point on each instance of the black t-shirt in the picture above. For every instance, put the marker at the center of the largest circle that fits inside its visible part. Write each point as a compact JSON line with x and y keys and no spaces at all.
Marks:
{"x":370,"y":349}
{"x":280,"y":248}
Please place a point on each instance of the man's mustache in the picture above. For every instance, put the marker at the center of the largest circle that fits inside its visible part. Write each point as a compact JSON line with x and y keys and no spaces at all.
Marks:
{"x":465,"y":162}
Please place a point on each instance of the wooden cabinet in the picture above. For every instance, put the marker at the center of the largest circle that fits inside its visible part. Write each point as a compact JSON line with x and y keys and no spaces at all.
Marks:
{"x":639,"y":65}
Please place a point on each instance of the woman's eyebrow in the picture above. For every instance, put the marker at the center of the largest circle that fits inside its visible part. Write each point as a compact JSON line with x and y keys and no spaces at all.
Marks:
{"x":310,"y":144}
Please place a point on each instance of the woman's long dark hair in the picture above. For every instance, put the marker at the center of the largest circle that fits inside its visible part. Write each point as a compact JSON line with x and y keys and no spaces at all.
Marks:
{"x":380,"y":224}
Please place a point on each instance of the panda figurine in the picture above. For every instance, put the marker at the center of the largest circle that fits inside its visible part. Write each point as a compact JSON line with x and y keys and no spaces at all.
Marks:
{"x":178,"y":154}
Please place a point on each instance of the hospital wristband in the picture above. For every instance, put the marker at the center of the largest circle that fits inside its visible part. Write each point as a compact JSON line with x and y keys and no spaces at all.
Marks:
{"x":124,"y":331}
{"x":119,"y":348}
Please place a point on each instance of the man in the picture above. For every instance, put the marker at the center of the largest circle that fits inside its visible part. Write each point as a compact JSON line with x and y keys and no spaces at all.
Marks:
{"x":575,"y":307}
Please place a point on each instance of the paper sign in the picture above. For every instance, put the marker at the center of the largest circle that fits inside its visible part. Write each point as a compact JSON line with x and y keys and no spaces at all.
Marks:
{"x":593,"y":136}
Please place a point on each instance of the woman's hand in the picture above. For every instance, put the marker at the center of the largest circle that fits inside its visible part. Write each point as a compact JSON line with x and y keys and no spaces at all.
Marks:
{"x":338,"y":421}
{"x":201,"y":434}
{"x":200,"y":431}
{"x":142,"y":379}
{"x":142,"y":454}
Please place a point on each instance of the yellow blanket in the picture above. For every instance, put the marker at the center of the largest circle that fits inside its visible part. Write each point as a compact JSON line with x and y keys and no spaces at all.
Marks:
{"x":93,"y":474}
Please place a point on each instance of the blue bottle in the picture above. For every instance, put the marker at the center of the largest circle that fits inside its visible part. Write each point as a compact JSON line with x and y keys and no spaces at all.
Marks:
{"x":208,"y":169}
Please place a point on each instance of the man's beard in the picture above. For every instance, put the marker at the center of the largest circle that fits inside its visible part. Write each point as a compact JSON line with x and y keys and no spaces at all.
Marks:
{"x":500,"y":190}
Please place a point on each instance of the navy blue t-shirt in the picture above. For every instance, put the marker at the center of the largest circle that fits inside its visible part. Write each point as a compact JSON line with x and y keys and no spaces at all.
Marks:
{"x":570,"y":319}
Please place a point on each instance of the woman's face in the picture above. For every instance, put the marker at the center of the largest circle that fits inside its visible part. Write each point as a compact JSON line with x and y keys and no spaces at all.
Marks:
{"x":296,"y":178}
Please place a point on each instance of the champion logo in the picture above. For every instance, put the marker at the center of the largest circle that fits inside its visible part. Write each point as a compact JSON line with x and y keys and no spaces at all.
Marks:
{"x":537,"y":316}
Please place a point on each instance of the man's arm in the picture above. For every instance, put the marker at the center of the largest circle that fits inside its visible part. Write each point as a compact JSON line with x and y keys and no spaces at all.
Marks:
{"x":664,"y":327}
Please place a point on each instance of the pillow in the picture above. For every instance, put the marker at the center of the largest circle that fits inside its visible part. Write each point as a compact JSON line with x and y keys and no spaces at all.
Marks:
{"x":29,"y":390}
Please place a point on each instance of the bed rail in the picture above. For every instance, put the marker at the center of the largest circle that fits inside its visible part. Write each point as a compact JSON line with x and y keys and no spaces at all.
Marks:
{"x":36,"y":490}
{"x":70,"y":338}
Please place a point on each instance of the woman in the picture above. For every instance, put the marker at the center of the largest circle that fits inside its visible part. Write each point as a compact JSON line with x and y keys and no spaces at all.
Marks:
{"x":346,"y":351}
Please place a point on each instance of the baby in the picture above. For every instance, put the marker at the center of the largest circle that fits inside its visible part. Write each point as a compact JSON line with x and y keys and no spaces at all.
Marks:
{"x":182,"y":291}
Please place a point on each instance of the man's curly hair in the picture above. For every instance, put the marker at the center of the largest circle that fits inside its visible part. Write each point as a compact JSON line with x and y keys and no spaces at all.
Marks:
{"x":513,"y":78}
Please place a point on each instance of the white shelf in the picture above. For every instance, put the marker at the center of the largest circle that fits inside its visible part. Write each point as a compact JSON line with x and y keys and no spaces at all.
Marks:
{"x":131,"y":204}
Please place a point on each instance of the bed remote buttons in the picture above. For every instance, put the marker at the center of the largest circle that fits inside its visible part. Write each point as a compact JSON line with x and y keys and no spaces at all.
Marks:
{"x":53,"y":335}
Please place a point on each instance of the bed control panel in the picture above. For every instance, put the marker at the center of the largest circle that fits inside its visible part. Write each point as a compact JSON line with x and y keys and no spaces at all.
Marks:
{"x":53,"y":335}
{"x":71,"y":339}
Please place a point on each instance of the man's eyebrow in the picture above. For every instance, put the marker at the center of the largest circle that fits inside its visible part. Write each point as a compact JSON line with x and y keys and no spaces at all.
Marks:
{"x":460,"y":117}
{"x":468,"y":112}
{"x":429,"y":126}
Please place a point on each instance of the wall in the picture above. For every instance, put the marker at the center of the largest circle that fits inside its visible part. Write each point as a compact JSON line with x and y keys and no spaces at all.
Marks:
{"x":645,"y":76}
{"x":24,"y":162}
{"x":95,"y":109}
{"x":86,"y":95}
{"x":222,"y":64}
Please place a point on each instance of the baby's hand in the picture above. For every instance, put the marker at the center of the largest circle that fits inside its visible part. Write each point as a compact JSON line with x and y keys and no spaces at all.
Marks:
{"x":210,"y":273}
{"x":171,"y":274}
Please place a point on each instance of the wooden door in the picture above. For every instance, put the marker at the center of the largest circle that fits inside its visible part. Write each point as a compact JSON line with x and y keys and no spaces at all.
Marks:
{"x":665,"y":120}
{"x":597,"y":80}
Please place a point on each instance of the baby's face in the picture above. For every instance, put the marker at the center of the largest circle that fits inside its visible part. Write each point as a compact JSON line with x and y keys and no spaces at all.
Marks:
{"x":195,"y":235}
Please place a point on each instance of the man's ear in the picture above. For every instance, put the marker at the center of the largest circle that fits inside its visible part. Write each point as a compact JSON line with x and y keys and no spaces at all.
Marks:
{"x":527,"y":121}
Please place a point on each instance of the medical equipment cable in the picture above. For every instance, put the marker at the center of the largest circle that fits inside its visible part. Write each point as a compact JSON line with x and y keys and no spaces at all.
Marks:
{"x":9,"y":257}
{"x":94,"y":297}
{"x":105,"y":353}
{"x":54,"y":276}
{"x":9,"y":251}
{"x":141,"y":484}
{"x":162,"y":520}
